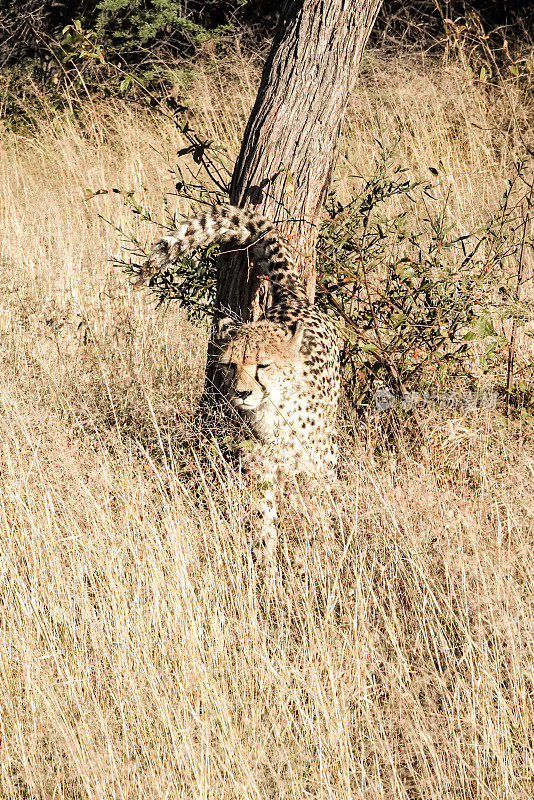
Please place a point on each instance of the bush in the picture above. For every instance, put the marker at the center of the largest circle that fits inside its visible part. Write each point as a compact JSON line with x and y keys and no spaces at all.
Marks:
{"x":417,"y":303}
{"x":420,"y":305}
{"x":130,"y":26}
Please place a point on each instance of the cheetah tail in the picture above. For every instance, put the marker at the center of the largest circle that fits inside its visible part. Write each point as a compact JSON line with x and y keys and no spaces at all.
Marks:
{"x":232,"y":226}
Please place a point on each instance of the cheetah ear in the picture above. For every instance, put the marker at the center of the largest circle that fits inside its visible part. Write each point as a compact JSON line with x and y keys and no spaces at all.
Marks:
{"x":296,"y":331}
{"x":223,"y":330}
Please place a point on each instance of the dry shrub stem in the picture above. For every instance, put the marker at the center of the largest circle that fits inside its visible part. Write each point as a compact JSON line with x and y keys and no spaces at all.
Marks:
{"x":520,"y":270}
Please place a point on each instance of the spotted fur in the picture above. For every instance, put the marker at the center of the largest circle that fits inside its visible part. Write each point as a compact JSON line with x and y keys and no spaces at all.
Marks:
{"x":281,"y":372}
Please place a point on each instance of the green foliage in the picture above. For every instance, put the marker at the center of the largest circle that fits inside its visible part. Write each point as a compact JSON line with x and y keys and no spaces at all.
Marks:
{"x":418,"y":303}
{"x":73,"y":49}
{"x":193,"y":281}
{"x":78,"y":42}
{"x":131,"y":24}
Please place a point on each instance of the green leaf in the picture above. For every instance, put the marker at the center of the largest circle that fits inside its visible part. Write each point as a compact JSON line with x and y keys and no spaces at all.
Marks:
{"x":126,"y":83}
{"x":88,"y":194}
{"x":485,"y":326}
{"x":397,"y":319}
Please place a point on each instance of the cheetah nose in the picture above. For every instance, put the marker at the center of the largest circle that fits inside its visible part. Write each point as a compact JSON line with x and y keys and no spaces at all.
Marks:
{"x":243,"y":394}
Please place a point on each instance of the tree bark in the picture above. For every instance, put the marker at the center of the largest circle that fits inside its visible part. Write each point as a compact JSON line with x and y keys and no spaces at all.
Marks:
{"x":289,"y":145}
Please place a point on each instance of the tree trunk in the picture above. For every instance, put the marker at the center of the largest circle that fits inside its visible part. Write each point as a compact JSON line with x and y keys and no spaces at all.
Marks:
{"x":289,"y":146}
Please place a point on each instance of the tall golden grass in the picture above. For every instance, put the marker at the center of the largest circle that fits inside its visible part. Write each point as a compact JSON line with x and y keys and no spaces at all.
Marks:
{"x":139,"y":657}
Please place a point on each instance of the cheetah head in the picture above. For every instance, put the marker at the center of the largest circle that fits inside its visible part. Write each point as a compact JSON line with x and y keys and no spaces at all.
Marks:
{"x":257,"y":359}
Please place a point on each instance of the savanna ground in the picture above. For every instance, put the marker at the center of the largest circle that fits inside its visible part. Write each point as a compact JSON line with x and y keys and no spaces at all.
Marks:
{"x":138,"y":655}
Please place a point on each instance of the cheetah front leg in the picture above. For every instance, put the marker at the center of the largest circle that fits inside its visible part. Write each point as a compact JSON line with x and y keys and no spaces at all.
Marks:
{"x":266,"y":533}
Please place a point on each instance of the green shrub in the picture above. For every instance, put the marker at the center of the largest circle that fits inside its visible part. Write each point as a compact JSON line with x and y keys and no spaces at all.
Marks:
{"x":132,"y":25}
{"x":418,"y":304}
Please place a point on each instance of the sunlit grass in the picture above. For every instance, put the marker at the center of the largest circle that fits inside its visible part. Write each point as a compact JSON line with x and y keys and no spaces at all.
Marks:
{"x":139,"y":655}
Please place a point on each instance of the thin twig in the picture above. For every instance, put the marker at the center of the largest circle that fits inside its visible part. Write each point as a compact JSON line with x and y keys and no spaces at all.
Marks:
{"x":520,"y":269}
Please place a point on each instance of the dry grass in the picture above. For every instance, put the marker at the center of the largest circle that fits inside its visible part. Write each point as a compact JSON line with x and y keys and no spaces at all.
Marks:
{"x":138,"y":655}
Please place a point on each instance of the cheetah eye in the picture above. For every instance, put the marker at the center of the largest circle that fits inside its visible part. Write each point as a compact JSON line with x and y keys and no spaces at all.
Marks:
{"x":262,"y":366}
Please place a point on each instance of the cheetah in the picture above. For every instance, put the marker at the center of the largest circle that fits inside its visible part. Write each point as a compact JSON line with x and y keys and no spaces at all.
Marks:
{"x":281,"y":373}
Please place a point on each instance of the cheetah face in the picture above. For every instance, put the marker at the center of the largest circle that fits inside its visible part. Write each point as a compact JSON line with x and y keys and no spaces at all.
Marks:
{"x":257,"y":360}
